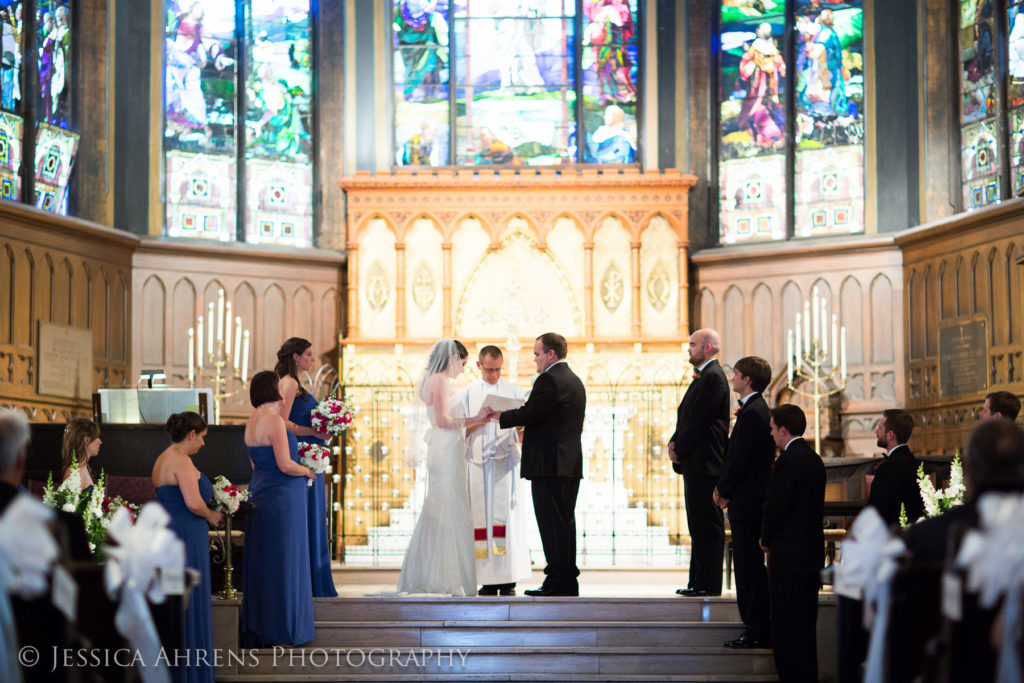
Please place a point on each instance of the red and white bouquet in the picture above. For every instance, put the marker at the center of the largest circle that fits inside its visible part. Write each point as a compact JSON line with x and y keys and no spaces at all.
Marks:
{"x":333,"y":415}
{"x":227,"y":497}
{"x":316,"y":458}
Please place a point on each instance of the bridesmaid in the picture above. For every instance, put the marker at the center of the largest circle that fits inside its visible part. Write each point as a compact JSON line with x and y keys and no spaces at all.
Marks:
{"x":184,"y":492}
{"x":81,"y":442}
{"x":277,"y":598}
{"x":295,"y":356}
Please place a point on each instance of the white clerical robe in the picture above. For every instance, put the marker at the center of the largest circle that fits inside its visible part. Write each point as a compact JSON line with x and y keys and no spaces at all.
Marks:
{"x":499,"y":500}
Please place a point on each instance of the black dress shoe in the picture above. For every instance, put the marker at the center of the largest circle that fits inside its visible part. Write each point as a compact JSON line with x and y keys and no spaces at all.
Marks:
{"x":487,"y":590}
{"x":507,"y":591}
{"x":551,"y":593}
{"x":691,"y":593}
{"x":748,"y":642}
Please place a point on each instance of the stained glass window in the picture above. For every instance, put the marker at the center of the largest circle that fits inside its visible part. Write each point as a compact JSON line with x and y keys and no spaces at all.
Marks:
{"x":206,"y":176}
{"x":491,"y":82}
{"x":822,"y":131}
{"x":979,"y":104}
{"x":1015,"y":92}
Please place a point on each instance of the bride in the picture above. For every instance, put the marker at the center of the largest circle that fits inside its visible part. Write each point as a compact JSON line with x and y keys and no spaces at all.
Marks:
{"x":440,"y":558}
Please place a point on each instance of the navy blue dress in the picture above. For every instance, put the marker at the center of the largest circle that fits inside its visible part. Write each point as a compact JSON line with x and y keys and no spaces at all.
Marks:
{"x":194,"y":532}
{"x":319,"y":549}
{"x":277,"y":599}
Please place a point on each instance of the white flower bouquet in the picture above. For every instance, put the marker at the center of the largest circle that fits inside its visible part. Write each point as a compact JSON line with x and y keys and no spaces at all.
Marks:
{"x":316,"y":458}
{"x":227,"y":497}
{"x":333,"y":415}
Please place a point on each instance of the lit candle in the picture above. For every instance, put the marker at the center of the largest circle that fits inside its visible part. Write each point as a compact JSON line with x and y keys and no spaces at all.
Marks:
{"x":245,"y":355}
{"x":220,"y":314}
{"x":842,"y":353}
{"x":835,"y":340}
{"x":815,"y":316}
{"x":238,"y":342}
{"x":789,"y":355}
{"x":191,"y":355}
{"x":227,"y":330}
{"x":807,"y":325}
{"x":199,"y":342}
{"x":798,"y":358}
{"x":824,"y":332}
{"x":209,"y":334}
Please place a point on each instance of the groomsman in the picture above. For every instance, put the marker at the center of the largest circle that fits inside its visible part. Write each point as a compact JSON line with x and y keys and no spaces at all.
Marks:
{"x":553,"y":459}
{"x":742,"y":488}
{"x":895,"y":483}
{"x":696,"y":449}
{"x":792,"y":536}
{"x":1000,"y":404}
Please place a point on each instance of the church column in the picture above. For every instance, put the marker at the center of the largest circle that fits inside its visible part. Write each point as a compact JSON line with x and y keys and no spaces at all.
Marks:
{"x":400,"y":290}
{"x":446,"y":287}
{"x":588,"y":287}
{"x":353,"y":289}
{"x":684,"y":293}
{"x":635,"y":249}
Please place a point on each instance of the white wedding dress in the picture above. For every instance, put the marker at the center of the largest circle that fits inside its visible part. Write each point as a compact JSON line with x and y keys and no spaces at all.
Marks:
{"x":440,"y":559}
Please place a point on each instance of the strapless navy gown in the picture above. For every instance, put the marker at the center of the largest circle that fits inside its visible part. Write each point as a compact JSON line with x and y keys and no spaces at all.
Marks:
{"x":193,"y":531}
{"x":319,"y":549}
{"x":277,"y":598}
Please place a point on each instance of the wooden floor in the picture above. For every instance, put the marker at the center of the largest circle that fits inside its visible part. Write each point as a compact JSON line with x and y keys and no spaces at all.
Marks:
{"x":625,"y":626}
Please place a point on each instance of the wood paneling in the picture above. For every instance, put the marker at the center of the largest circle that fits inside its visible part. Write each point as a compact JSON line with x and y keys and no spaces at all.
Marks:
{"x":272,"y":291}
{"x":69,"y":272}
{"x":852,"y":274}
{"x":978,"y":252}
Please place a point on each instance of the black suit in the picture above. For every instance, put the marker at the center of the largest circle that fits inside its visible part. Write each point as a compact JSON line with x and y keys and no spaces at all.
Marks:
{"x":744,"y":482}
{"x":792,"y":532}
{"x":895,"y":484}
{"x":553,"y":462}
{"x":702,"y":428}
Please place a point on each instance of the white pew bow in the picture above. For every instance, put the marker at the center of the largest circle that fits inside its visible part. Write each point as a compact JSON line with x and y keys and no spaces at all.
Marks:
{"x":993,"y":556}
{"x":869,"y":563}
{"x":145,"y":555}
{"x":27,"y":552}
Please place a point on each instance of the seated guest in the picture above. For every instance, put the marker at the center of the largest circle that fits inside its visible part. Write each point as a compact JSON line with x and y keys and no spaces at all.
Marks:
{"x":39,"y":623}
{"x":277,"y":594}
{"x":994,"y":461}
{"x":895,"y":482}
{"x":184,"y":492}
{"x":792,"y":535}
{"x":1000,"y":404}
{"x":81,"y":444}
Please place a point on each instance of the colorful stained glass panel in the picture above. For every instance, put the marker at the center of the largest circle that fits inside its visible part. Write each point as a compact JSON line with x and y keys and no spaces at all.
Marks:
{"x":753,"y":199}
{"x":199,"y":78}
{"x":201,"y":197}
{"x":279,"y":209}
{"x":54,"y":35}
{"x":513,"y":127}
{"x":611,"y":71}
{"x":752,"y":84}
{"x":829,"y":72}
{"x":55,"y":156}
{"x":1015,"y":55}
{"x":421,"y":75}
{"x":11,"y":126}
{"x":829,"y":191}
{"x":1016,"y":122}
{"x":11,"y":32}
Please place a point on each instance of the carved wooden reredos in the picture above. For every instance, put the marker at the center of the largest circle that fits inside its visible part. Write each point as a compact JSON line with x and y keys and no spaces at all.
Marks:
{"x":601,"y":257}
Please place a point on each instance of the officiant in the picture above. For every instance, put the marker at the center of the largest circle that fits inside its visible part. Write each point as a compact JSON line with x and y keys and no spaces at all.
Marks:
{"x":497,"y":497}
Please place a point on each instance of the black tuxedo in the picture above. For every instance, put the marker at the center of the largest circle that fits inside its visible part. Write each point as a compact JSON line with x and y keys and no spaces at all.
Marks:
{"x":702,"y":426}
{"x":792,"y":532}
{"x":553,"y":461}
{"x":744,"y":482}
{"x":895,"y":484}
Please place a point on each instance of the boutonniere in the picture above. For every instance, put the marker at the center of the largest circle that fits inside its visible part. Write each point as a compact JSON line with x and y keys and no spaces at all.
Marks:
{"x":696,"y":375}
{"x":737,"y":413}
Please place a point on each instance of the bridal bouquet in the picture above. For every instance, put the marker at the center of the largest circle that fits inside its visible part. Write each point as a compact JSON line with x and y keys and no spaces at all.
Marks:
{"x":227,"y":497}
{"x":91,"y":506}
{"x":333,"y":415}
{"x":316,"y":458}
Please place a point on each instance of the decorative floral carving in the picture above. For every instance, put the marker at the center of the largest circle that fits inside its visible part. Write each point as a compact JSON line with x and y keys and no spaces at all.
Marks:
{"x":378,"y":289}
{"x":423,"y":287}
{"x":659,"y":287}
{"x":612,"y":288}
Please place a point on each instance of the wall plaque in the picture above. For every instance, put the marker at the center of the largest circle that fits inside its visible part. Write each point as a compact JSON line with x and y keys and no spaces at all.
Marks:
{"x":65,"y":361}
{"x":963,"y":358}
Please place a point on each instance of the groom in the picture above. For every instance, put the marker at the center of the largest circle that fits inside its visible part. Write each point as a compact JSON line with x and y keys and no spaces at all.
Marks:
{"x":553,"y":459}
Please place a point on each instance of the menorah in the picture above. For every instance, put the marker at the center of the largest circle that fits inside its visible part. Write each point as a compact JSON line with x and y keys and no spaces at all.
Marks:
{"x":207,"y":365}
{"x":808,"y":358}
